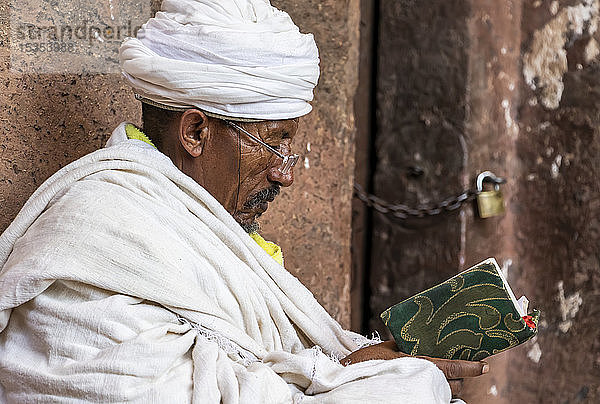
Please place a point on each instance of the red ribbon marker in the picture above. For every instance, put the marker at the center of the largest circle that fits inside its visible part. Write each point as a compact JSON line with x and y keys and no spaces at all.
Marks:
{"x":529,"y":321}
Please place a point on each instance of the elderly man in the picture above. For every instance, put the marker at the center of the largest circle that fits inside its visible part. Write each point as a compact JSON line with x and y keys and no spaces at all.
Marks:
{"x":129,"y":276}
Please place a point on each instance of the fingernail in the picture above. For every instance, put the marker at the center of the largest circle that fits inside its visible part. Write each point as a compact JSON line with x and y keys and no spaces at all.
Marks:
{"x":485,"y":368}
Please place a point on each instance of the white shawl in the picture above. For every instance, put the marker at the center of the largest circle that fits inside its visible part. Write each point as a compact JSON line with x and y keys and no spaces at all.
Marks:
{"x":127,"y":281}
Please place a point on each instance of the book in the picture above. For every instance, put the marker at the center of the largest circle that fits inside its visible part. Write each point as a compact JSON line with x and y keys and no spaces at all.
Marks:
{"x":470,"y":316}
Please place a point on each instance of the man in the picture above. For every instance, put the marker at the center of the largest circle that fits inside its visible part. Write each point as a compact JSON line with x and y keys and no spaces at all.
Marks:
{"x":129,"y":275}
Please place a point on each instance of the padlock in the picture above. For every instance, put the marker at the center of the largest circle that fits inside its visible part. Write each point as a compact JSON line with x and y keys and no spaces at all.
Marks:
{"x":490,"y":203}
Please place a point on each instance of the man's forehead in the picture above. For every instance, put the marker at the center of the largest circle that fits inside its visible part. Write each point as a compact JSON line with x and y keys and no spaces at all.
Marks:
{"x":283,"y":124}
{"x":282,"y":128}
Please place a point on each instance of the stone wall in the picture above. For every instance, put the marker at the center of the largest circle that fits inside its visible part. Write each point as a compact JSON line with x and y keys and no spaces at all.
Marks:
{"x":510,"y":86}
{"x":48,"y":120}
{"x":535,"y":113}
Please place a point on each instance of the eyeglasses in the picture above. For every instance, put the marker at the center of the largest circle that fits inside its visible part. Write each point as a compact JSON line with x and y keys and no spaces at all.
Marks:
{"x":289,"y":161}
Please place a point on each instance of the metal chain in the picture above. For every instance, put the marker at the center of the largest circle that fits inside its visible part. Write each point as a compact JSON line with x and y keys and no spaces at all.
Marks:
{"x":404,"y":212}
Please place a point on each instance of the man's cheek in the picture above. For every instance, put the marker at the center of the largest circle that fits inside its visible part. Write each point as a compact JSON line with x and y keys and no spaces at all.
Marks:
{"x":256,"y":174}
{"x":255,"y":156}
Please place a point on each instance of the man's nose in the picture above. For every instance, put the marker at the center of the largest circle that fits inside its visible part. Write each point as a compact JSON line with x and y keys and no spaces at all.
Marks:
{"x":275,"y":175}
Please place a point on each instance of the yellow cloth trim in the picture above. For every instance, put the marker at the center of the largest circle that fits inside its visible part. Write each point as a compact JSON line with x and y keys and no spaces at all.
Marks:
{"x":270,"y":248}
{"x":135,"y":133}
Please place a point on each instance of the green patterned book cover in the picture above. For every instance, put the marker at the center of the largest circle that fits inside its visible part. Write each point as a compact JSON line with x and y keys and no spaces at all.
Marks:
{"x":470,"y":316}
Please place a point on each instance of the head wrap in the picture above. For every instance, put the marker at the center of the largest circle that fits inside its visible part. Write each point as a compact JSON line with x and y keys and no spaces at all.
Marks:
{"x":233,"y":58}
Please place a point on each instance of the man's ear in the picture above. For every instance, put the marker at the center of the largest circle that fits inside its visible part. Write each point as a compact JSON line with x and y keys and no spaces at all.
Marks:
{"x":193,"y":131}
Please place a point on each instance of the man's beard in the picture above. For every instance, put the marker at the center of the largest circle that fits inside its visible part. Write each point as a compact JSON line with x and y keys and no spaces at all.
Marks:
{"x":250,"y":228}
{"x":265,"y":195}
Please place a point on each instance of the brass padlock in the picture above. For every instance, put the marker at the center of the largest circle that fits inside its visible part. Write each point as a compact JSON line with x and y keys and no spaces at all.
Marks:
{"x":490,"y":203}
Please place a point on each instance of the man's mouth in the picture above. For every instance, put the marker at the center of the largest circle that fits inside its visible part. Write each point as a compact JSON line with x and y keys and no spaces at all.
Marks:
{"x":263,"y":207}
{"x":254,"y":207}
{"x":259,"y":202}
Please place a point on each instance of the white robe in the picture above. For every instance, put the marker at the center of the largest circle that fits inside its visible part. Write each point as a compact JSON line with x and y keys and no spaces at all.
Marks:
{"x":122,"y":280}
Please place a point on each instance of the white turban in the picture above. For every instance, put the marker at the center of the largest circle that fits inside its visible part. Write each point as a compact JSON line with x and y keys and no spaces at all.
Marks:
{"x":235,"y":58}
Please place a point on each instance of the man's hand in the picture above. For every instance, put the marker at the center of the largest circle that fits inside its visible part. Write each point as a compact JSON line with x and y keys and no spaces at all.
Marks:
{"x":455,"y":370}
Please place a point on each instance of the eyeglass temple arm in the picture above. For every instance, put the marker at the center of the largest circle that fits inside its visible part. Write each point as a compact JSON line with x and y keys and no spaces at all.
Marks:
{"x":251,"y":136}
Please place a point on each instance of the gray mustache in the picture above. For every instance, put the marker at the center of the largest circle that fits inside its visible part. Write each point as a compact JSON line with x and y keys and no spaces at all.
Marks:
{"x":265,"y":195}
